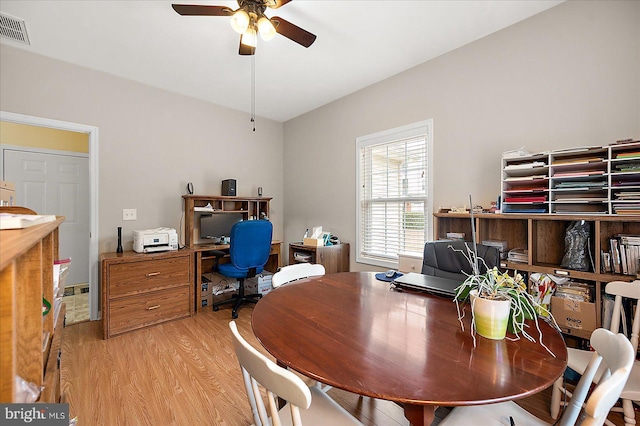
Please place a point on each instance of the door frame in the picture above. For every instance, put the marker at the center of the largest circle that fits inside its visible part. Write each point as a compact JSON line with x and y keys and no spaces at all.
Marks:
{"x":92,"y":132}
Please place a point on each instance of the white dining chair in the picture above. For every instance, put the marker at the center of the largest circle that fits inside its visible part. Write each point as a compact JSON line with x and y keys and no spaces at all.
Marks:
{"x":295,"y":272}
{"x":613,"y":349}
{"x":305,"y":405}
{"x":578,"y":359}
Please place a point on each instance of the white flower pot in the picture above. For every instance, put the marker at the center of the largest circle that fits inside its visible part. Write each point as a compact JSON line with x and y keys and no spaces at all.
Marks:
{"x":490,"y":316}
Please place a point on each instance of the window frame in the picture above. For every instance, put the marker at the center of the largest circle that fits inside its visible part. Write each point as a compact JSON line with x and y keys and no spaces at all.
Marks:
{"x":424,"y":127}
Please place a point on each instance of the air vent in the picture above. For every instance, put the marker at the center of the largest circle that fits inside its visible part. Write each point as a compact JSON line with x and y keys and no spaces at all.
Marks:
{"x":13,"y":28}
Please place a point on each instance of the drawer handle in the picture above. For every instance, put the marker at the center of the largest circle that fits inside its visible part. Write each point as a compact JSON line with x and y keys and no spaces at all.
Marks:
{"x":151,"y":308}
{"x":152,"y":274}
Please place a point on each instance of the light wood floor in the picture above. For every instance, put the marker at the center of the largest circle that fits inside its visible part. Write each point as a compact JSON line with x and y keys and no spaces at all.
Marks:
{"x":185,"y":373}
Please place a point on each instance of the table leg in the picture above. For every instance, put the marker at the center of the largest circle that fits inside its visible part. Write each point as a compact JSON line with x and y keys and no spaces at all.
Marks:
{"x":419,"y":415}
{"x":281,"y":402}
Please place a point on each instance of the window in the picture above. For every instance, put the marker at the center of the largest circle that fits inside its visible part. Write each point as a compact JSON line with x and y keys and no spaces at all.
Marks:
{"x":394,"y":193}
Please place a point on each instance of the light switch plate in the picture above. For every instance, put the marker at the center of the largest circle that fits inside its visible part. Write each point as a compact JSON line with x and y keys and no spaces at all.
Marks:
{"x":129,"y":214}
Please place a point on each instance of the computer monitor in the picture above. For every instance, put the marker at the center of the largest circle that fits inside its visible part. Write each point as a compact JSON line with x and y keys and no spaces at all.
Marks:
{"x":217,"y":225}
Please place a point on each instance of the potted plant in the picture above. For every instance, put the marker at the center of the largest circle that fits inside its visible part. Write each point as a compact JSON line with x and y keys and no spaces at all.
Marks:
{"x":509,"y":303}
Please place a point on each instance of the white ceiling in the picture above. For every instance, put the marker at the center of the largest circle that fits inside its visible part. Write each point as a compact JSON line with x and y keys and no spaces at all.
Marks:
{"x":360,"y":42}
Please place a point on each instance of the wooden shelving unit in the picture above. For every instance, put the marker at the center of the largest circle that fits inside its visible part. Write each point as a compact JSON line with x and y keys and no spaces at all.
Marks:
{"x":195,"y":205}
{"x":543,"y":237}
{"x":30,"y":343}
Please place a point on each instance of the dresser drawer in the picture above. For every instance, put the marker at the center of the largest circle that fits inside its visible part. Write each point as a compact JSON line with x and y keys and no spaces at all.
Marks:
{"x":141,"y":276}
{"x":130,"y":313}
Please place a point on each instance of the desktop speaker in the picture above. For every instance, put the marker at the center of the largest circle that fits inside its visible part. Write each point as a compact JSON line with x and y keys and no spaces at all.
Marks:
{"x":229,"y":187}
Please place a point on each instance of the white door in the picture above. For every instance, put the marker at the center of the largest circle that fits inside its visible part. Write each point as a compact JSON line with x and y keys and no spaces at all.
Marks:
{"x":56,"y":183}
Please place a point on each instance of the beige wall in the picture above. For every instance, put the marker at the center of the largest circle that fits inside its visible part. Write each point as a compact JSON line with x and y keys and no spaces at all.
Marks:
{"x":151,"y":142}
{"x":567,"y":77}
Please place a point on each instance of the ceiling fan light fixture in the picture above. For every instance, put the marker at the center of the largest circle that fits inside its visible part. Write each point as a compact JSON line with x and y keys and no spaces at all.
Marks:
{"x":240,"y":21}
{"x":249,"y":38}
{"x":266,"y":29}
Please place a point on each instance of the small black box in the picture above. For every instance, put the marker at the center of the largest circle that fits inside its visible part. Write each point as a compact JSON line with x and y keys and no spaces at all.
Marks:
{"x":229,"y":187}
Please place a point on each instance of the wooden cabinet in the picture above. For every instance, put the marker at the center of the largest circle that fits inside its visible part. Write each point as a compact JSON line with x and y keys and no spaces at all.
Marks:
{"x":542,"y":235}
{"x":144,"y":289}
{"x":30,"y":343}
{"x":334,"y":258}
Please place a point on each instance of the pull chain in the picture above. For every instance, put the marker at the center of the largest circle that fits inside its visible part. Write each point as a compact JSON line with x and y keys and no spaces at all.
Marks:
{"x":253,"y":91}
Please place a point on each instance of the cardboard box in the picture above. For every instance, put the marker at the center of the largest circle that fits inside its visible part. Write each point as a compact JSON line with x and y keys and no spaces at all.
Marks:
{"x":205,"y":289}
{"x":261,"y":284}
{"x":313,"y":242}
{"x":7,"y":193}
{"x":574,"y":317}
{"x":206,"y":301}
{"x":217,"y":284}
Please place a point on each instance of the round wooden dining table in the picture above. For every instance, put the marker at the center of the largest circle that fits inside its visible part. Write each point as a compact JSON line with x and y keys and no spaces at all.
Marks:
{"x":354,"y":332}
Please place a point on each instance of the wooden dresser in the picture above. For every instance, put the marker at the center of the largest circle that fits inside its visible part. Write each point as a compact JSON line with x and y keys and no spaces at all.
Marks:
{"x":145,"y":289}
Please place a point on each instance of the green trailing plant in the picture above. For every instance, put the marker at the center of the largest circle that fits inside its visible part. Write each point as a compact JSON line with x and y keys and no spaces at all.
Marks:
{"x":496,"y":285}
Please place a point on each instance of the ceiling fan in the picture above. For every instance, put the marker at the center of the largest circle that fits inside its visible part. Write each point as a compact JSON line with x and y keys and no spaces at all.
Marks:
{"x":249,"y":20}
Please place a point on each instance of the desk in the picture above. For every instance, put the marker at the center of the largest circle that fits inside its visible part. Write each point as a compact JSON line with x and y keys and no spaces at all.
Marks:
{"x":204,"y":262}
{"x":351,"y":331}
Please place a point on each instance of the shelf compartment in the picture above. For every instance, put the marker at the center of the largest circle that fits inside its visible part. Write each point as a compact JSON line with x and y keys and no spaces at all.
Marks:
{"x":514,"y":232}
{"x":548,"y":243}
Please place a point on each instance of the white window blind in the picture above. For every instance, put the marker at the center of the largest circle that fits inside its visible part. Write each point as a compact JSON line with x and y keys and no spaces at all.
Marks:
{"x":393,"y":193}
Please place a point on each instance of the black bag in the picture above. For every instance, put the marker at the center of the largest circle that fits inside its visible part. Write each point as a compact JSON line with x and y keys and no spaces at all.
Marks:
{"x":577,"y":254}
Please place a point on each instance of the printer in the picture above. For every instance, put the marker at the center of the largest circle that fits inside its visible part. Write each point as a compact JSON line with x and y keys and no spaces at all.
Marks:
{"x":154,"y":240}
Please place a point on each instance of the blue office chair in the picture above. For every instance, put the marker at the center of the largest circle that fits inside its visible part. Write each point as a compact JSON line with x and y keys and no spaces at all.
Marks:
{"x":249,"y":252}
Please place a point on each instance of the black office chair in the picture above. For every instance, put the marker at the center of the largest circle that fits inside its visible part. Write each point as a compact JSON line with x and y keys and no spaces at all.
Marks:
{"x":441,"y":260}
{"x":249,"y":252}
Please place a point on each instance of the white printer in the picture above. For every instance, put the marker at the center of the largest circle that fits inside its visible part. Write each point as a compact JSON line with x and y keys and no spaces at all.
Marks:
{"x":154,"y":240}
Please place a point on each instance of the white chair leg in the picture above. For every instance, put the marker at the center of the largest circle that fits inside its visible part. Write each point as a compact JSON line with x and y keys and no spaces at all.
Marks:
{"x":556,"y":397}
{"x":324,"y":388}
{"x":629,"y":413}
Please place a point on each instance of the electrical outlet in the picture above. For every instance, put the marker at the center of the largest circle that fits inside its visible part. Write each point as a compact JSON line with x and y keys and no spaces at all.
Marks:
{"x":129,"y":214}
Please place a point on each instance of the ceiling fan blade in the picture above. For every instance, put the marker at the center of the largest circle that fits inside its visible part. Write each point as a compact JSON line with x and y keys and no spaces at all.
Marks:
{"x":293,"y":32}
{"x":274,"y":4}
{"x":246,"y":50}
{"x":201,"y":10}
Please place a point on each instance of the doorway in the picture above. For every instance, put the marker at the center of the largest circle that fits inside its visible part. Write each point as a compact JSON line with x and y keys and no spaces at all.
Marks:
{"x":70,"y":191}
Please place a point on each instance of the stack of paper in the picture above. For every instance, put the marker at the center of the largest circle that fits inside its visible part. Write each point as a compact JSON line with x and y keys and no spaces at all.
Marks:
{"x":574,"y":290}
{"x":518,"y":255}
{"x":19,"y":221}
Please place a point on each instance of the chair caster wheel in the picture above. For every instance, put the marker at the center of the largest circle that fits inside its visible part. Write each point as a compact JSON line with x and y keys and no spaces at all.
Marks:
{"x":234,"y":315}
{"x":215,"y":309}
